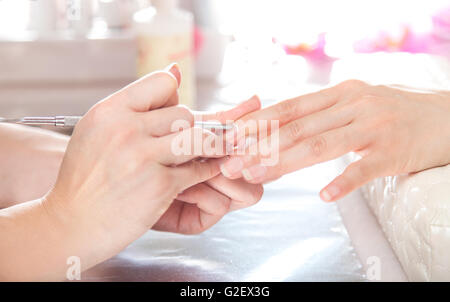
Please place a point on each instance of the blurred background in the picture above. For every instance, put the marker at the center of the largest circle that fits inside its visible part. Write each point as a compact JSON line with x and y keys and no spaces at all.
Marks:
{"x":62,"y":56}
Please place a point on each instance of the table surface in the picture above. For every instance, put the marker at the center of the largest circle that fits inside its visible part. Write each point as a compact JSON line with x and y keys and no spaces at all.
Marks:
{"x":290,"y":235}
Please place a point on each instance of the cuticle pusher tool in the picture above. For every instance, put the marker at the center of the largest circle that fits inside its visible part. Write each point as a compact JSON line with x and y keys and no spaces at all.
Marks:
{"x":71,"y":121}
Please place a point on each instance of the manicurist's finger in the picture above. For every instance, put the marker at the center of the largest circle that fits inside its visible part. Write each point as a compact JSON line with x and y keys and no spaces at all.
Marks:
{"x":194,"y":172}
{"x":191,"y":143}
{"x":231,"y":115}
{"x":155,"y":90}
{"x":242,"y":193}
{"x":191,"y":219}
{"x":206,"y":198}
{"x":163,"y":121}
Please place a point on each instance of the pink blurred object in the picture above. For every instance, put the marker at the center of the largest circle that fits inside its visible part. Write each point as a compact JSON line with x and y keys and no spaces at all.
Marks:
{"x":441,"y":24}
{"x":198,"y":39}
{"x":315,"y":52}
{"x":407,"y":41}
{"x":319,"y":62}
{"x":410,"y":41}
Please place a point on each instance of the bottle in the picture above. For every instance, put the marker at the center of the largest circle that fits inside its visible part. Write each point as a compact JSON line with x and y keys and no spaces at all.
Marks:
{"x":165,"y":34}
{"x":79,"y":15}
{"x":42,"y":18}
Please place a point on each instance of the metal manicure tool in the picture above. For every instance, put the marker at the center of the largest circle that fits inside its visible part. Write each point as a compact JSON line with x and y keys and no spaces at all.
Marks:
{"x":71,"y":121}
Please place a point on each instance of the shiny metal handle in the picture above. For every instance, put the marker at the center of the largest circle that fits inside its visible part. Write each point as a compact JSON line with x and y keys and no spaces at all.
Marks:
{"x":66,"y":121}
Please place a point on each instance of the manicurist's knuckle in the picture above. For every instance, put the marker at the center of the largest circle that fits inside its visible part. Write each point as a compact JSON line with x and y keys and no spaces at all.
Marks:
{"x":223,"y":207}
{"x":185,"y":113}
{"x":99,"y":123}
{"x":166,"y":77}
{"x":124,"y":161}
{"x":98,"y":114}
{"x":124,"y":137}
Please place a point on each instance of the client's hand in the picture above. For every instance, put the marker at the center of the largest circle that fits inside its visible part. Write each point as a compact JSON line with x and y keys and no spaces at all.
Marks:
{"x":395,"y":130}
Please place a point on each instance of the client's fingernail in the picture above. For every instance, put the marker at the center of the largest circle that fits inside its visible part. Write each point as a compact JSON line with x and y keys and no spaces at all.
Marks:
{"x":174,"y":69}
{"x":229,"y":149}
{"x":232,"y":166}
{"x":249,"y":143}
{"x":230,"y":135}
{"x":330,"y":192}
{"x":254,"y":172}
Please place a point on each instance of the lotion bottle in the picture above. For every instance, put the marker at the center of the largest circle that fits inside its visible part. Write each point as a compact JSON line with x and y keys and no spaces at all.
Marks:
{"x":165,"y":34}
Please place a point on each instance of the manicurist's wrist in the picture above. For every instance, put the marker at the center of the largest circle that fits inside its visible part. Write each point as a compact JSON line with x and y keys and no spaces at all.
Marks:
{"x":86,"y":233}
{"x":53,"y":208}
{"x":36,"y":241}
{"x":74,"y":236}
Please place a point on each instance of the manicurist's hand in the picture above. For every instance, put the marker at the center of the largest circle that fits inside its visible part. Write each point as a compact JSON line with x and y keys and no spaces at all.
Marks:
{"x":395,"y":130}
{"x":31,"y":158}
{"x":118,"y":177}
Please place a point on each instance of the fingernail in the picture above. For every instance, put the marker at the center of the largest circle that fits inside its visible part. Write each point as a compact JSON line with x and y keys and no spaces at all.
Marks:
{"x":246,"y":142}
{"x":330,"y":193}
{"x":252,"y":99}
{"x":240,"y":145}
{"x":254,"y":172}
{"x":232,"y":166}
{"x":174,"y":69}
{"x":230,"y":135}
{"x":224,"y":171}
{"x":233,"y":134}
{"x":247,"y":174}
{"x":229,"y":149}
